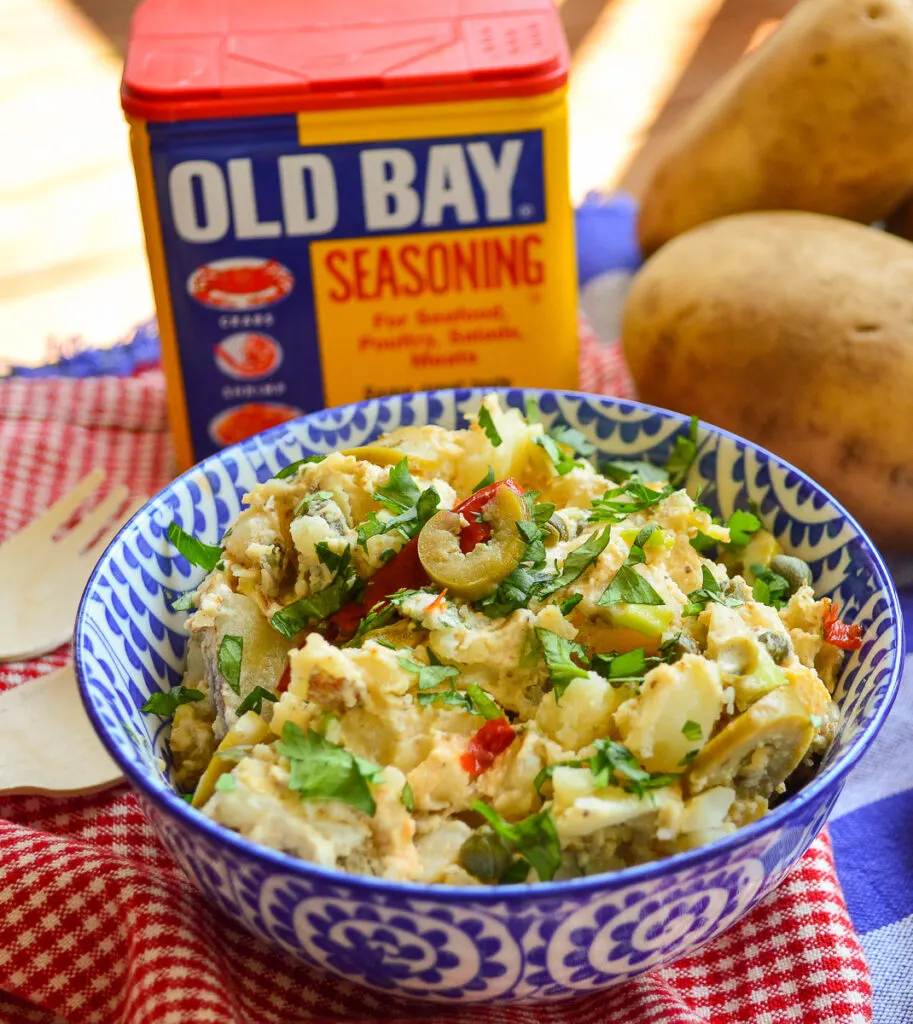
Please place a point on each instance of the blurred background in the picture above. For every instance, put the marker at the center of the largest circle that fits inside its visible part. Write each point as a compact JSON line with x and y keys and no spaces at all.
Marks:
{"x":72,"y":265}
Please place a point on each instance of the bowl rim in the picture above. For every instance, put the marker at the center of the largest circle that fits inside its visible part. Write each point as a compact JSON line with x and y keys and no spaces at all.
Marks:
{"x":170,"y":804}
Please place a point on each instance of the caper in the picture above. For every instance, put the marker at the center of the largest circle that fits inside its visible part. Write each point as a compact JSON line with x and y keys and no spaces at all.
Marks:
{"x":776,"y":644}
{"x":557,"y":530}
{"x":793,"y":570}
{"x":485,"y":856}
{"x":734,"y":588}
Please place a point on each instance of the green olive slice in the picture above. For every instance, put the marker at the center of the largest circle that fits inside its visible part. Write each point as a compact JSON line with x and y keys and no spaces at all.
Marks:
{"x":476,"y":574}
{"x":757,"y":750}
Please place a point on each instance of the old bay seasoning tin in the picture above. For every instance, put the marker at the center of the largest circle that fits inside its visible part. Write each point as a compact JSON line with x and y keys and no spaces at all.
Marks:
{"x":347,"y":198}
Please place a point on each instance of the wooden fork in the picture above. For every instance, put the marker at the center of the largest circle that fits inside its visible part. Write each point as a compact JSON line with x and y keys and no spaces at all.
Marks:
{"x":42,"y":579}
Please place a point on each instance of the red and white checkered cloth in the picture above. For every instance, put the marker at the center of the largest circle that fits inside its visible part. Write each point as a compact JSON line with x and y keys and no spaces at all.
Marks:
{"x":99,"y":926}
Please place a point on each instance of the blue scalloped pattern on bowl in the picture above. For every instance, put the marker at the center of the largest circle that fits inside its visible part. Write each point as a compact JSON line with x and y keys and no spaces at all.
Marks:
{"x":449,"y":943}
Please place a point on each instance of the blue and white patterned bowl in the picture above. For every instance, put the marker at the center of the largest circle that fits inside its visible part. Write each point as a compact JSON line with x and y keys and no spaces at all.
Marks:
{"x":475,"y":944}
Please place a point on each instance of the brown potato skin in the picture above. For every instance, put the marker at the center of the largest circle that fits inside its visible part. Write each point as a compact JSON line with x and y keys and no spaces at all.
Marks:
{"x":796,"y":331}
{"x":818,"y":118}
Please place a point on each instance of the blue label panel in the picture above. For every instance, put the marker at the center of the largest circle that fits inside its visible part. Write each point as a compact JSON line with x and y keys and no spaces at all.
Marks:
{"x":240,"y":202}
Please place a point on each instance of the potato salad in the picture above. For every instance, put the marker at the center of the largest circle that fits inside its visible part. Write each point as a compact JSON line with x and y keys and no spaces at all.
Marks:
{"x":473,"y":657}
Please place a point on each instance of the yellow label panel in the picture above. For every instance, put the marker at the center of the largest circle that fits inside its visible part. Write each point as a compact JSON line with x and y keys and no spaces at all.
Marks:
{"x":455,"y":309}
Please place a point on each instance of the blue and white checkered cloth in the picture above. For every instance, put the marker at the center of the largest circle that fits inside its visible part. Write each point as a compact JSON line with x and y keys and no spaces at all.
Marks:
{"x":872,"y":825}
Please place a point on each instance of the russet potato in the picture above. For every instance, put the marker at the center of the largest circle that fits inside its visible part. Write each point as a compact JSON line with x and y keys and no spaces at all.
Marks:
{"x":819,"y":118}
{"x":796,"y":331}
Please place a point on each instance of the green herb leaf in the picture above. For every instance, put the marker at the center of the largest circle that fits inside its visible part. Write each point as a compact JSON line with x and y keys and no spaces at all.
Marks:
{"x":206,"y":556}
{"x":614,"y":763}
{"x":619,"y":502}
{"x":557,"y":651}
{"x":330,"y":558}
{"x":692,"y":730}
{"x":741,"y":526}
{"x":528,"y":530}
{"x":165,"y":704}
{"x":688,"y":758}
{"x":292,"y":468}
{"x":769,"y":587}
{"x":312,"y":501}
{"x":453,"y":698}
{"x":573,"y":439}
{"x":516,"y":873}
{"x":483,"y":703}
{"x":568,"y":605}
{"x":293,"y":618}
{"x":254,"y":700}
{"x":542,"y":511}
{"x":629,"y":587}
{"x":514,"y":591}
{"x":411,"y":508}
{"x":371,"y":527}
{"x":488,"y":425}
{"x":231,"y":650}
{"x":486,"y":480}
{"x":562,"y":462}
{"x":534,"y":838}
{"x":382,"y":614}
{"x":621,"y":470}
{"x":630,"y":667}
{"x":321,"y":770}
{"x":549,"y":770}
{"x":532,"y":410}
{"x":708,"y":591}
{"x":636,"y":555}
{"x":400,"y":491}
{"x":578,"y":561}
{"x":431,"y":675}
{"x":407,"y":797}
{"x":682,"y":456}
{"x":226,"y":783}
{"x":184,"y":602}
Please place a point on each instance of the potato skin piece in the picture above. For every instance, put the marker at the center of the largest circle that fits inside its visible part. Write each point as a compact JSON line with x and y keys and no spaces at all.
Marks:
{"x":818,"y":118}
{"x":796,"y":331}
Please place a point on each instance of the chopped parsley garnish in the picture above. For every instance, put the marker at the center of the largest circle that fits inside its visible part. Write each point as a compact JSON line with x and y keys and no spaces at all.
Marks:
{"x":534,"y":840}
{"x":630,"y":667}
{"x":541,"y":511}
{"x":226,"y":784}
{"x":621,"y":470}
{"x":318,"y":499}
{"x":483,"y":703}
{"x":692,"y":730}
{"x":629,"y":587}
{"x":688,"y":758}
{"x":741,"y":526}
{"x":488,"y":425}
{"x":321,"y":770}
{"x":632,"y":496}
{"x":549,"y":770}
{"x":407,"y":798}
{"x":411,"y":508}
{"x":206,"y":556}
{"x":382,"y":614}
{"x":486,"y":480}
{"x":254,"y":700}
{"x":558,"y":653}
{"x":708,"y":591}
{"x":291,"y":619}
{"x":430,"y":675}
{"x":573,"y":439}
{"x":578,"y":561}
{"x":183,"y":602}
{"x":532,"y":411}
{"x":292,"y":468}
{"x":682,"y":456}
{"x":165,"y":704}
{"x":231,"y":650}
{"x":570,"y":604}
{"x":515,"y":591}
{"x":769,"y":587}
{"x":614,"y":763}
{"x":562,"y":462}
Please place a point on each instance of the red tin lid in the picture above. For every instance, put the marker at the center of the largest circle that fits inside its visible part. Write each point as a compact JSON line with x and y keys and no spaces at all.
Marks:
{"x":189,"y":59}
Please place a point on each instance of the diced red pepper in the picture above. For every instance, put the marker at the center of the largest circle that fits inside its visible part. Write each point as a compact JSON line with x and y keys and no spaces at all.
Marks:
{"x":492,"y":739}
{"x":284,"y":679}
{"x":840,"y":634}
{"x":403,"y":571}
{"x":476,"y":532}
